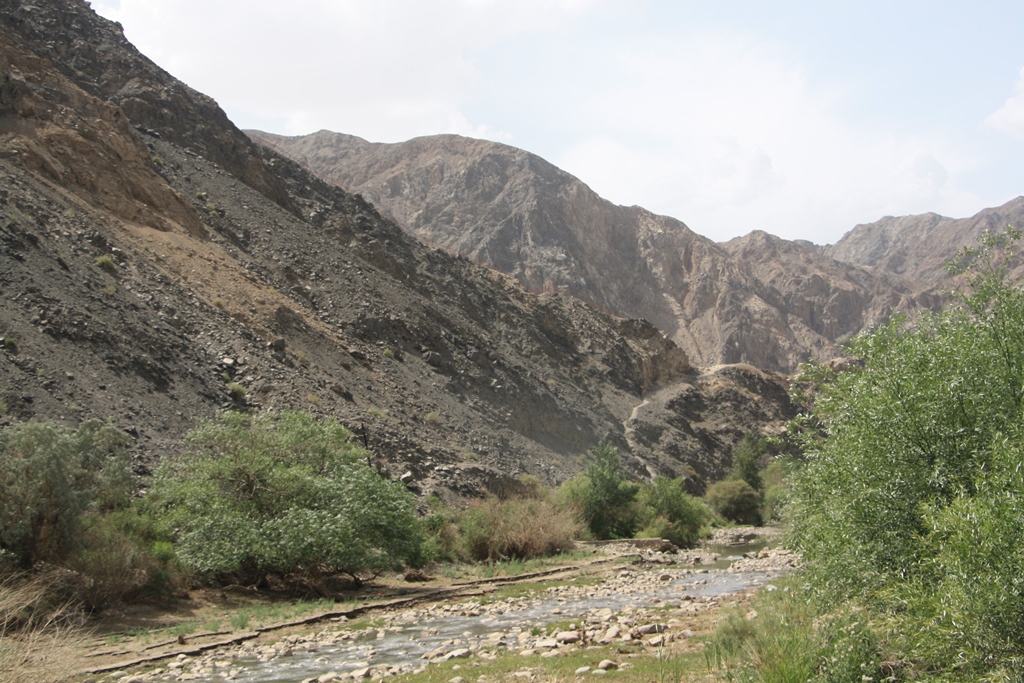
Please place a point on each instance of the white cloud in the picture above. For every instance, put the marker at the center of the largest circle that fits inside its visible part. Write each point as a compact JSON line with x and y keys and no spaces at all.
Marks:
{"x":727,"y":134}
{"x":1009,"y":118}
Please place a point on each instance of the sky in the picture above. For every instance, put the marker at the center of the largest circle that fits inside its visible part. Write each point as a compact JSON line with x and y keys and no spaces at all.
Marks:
{"x":802,"y":119}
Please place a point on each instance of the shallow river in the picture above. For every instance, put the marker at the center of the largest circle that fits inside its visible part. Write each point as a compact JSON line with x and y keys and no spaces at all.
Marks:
{"x":478,"y":628}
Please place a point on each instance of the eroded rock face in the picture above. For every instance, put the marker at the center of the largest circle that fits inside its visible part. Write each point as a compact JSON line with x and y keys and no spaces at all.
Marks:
{"x":157,"y":267}
{"x":757,"y":299}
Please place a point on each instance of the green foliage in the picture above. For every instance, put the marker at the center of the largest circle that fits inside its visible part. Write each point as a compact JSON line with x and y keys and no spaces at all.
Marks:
{"x":49,"y":478}
{"x":746,"y":460}
{"x":106,"y":263}
{"x":735,"y":500}
{"x":911,"y":498}
{"x":783,"y":639}
{"x":281,"y":493}
{"x":603,"y":495}
{"x":668,"y":511}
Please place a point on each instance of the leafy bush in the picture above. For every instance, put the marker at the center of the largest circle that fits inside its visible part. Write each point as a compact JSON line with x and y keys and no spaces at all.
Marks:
{"x":285,"y":494}
{"x":603,"y":495}
{"x":912,"y":497}
{"x":668,"y":511}
{"x":735,"y":500}
{"x":746,"y":460}
{"x":49,"y":478}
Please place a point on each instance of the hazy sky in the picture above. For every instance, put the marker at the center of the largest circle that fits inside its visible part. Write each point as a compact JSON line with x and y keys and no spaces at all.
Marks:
{"x":799,"y":118}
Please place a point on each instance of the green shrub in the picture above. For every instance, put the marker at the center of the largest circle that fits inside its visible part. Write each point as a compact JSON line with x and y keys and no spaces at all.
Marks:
{"x":911,"y":500}
{"x":281,"y":493}
{"x":106,"y":263}
{"x":746,"y":460}
{"x":735,"y":500}
{"x":603,"y":495}
{"x":49,"y":478}
{"x":668,"y":511}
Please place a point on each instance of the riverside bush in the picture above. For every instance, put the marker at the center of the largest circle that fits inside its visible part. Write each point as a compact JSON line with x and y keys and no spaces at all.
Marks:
{"x":668,"y":511}
{"x":911,"y":501}
{"x":516,"y":528}
{"x":281,"y":494}
{"x":603,"y":495}
{"x":50,"y":477}
{"x":735,"y":500}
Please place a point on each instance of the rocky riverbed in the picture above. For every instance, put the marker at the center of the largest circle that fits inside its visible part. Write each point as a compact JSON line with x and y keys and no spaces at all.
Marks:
{"x":657,"y":600}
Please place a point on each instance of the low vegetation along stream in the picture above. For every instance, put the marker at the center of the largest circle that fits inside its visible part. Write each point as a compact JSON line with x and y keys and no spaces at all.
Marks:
{"x":631,"y":603}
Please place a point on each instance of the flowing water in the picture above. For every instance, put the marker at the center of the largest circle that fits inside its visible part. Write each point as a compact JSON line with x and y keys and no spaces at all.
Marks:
{"x":509,"y":622}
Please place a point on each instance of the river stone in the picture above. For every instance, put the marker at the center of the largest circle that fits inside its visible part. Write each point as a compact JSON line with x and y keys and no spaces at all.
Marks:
{"x":567,"y":637}
{"x":607,"y":664}
{"x":600,"y":672}
{"x":582,"y":670}
{"x":546,"y":643}
{"x":549,"y":654}
{"x":361,"y":673}
{"x":329,"y":676}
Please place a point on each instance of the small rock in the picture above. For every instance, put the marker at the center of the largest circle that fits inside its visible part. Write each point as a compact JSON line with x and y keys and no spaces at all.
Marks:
{"x":329,"y":676}
{"x":549,"y":654}
{"x":751,"y":615}
{"x":361,"y":673}
{"x":582,"y":670}
{"x":567,"y":637}
{"x":606,"y":664}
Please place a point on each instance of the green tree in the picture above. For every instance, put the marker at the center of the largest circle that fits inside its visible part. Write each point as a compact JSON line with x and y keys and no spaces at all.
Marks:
{"x":281,"y":493}
{"x":746,"y":460}
{"x":911,"y":498}
{"x":50,"y":477}
{"x":668,"y":511}
{"x":603,"y":495}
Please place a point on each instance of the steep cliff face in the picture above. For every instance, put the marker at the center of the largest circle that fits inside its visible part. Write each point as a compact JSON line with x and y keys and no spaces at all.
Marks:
{"x":157,"y":267}
{"x":753,"y":300}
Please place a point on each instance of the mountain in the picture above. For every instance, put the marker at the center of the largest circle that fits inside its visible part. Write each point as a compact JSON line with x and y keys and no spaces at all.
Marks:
{"x":757,"y":299}
{"x":158,"y":266}
{"x":918,"y":247}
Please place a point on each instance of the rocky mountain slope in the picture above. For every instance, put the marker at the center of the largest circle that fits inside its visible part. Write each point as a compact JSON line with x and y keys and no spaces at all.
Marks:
{"x":918,"y":247}
{"x":756,"y":299}
{"x":157,"y":266}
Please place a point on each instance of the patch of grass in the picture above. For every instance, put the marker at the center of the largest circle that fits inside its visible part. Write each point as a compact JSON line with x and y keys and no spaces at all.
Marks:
{"x":106,"y":263}
{"x":236,"y":390}
{"x":313,"y":398}
{"x":218,"y":303}
{"x":433,"y":418}
{"x":377,"y":413}
{"x":110,"y":290}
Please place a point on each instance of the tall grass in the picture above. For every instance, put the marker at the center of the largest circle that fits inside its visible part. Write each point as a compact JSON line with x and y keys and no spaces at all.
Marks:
{"x":38,"y":635}
{"x":782,"y":638}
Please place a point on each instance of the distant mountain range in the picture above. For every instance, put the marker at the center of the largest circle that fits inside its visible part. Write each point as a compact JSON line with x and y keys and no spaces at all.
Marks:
{"x":157,"y":266}
{"x":756,"y":299}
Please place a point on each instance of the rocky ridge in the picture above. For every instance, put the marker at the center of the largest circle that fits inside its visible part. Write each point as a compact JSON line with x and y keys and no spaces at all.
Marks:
{"x":758,"y":299}
{"x":157,"y":267}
